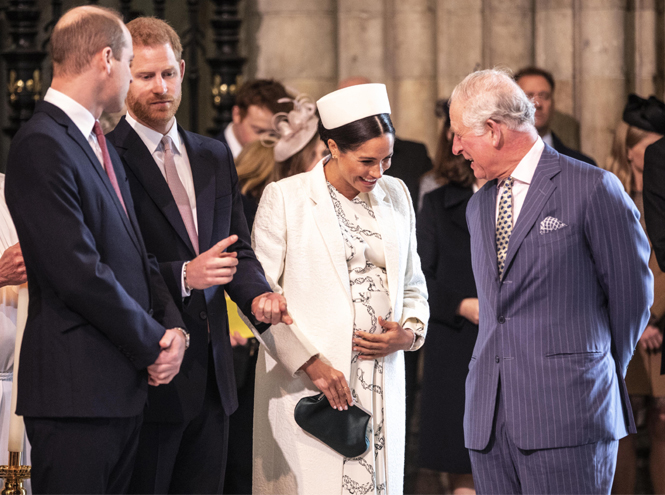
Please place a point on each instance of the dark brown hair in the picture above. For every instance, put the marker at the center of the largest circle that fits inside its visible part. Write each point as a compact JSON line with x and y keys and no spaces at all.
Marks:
{"x":353,"y":135}
{"x":262,"y":93}
{"x":535,"y":71}
{"x":79,"y":36}
{"x":150,"y":31}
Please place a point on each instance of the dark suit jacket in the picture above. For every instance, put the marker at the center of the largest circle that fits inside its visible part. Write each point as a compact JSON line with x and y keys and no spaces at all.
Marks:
{"x":562,"y":323}
{"x":220,"y":214}
{"x":654,"y":198}
{"x":90,"y":334}
{"x":558,"y":145}
{"x":410,"y":161}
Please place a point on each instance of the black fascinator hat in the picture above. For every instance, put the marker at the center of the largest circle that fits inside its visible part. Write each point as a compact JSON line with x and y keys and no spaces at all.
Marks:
{"x":648,"y":115}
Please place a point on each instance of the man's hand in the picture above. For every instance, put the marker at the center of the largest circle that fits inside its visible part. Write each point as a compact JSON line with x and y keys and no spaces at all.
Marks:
{"x":12,"y":266}
{"x":214,"y":267}
{"x":469,"y":309}
{"x":168,"y":363}
{"x":270,"y":307}
{"x":237,"y":339}
{"x":372,"y":346}
{"x":651,"y":339}
{"x":329,"y":381}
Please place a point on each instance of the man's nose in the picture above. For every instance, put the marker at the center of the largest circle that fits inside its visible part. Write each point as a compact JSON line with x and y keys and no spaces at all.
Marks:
{"x":457,"y":147}
{"x":159,"y":86}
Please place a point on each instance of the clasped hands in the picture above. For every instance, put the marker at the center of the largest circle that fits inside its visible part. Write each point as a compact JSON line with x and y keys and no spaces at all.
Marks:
{"x":168,"y":362}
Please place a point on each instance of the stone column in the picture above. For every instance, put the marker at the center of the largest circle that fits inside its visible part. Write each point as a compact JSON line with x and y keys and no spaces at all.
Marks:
{"x":361,"y":40}
{"x":510,"y":24}
{"x":643,"y":77}
{"x":296,"y":44}
{"x":414,"y":94}
{"x":602,"y":85}
{"x":458,"y":20}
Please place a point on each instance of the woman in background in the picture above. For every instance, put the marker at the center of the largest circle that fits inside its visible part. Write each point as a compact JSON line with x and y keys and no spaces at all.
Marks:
{"x":444,"y":247}
{"x":643,"y":124}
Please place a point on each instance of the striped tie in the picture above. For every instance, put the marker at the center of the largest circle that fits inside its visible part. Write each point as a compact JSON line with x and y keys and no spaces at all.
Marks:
{"x":504,"y":224}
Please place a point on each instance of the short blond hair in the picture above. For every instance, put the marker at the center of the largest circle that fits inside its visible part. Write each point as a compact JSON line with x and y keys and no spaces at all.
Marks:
{"x":150,"y":31}
{"x":82,"y":33}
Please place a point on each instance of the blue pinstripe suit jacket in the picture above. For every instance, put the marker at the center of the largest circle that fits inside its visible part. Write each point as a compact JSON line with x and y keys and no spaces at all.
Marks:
{"x":561,"y":325}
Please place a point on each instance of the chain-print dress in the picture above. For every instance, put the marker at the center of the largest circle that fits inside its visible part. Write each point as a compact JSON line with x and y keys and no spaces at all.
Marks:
{"x":369,"y":289}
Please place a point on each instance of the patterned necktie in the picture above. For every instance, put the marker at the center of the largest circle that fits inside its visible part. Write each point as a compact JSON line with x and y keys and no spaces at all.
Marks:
{"x":179,"y":193}
{"x":504,"y":224}
{"x":108,"y":164}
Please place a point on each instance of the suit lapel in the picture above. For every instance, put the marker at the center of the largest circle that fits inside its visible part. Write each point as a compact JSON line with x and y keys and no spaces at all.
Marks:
{"x":540,"y":189}
{"x":487,"y":197}
{"x":75,"y":133}
{"x":385,"y":217}
{"x":327,"y":223}
{"x":138,"y":158}
{"x":202,"y":164}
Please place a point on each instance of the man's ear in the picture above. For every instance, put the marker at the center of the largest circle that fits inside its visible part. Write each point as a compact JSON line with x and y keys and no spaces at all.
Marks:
{"x":496,"y":132}
{"x":235,"y":113}
{"x":182,"y":69}
{"x":107,"y":59}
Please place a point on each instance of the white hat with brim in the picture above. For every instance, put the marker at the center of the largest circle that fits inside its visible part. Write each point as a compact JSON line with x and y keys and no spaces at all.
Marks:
{"x":347,"y":105}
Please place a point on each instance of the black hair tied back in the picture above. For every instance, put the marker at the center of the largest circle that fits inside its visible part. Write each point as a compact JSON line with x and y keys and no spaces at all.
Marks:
{"x":353,"y":135}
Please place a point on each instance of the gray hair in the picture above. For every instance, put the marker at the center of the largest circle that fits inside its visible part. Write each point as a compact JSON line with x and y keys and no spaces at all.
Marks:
{"x":493,"y":94}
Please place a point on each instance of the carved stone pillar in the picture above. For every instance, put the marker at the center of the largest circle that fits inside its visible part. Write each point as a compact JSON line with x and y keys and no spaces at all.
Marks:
{"x":414,"y":71}
{"x":643,"y":73}
{"x":510,"y":24}
{"x":361,"y":40}
{"x":296,"y":44}
{"x":22,"y":63}
{"x":226,"y":65}
{"x":458,"y":20}
{"x":602,"y":88}
{"x":192,"y":43}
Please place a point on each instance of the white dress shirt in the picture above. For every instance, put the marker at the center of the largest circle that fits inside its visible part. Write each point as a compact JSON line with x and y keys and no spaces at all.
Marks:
{"x":232,"y":141}
{"x":153,"y":141}
{"x":522,"y":176}
{"x":80,"y":115}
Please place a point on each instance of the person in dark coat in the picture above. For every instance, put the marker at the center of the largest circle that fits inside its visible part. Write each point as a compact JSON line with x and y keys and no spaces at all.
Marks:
{"x":445,"y":252}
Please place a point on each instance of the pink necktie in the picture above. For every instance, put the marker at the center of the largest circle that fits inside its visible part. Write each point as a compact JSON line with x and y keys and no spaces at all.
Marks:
{"x":108,"y":165}
{"x":179,"y":193}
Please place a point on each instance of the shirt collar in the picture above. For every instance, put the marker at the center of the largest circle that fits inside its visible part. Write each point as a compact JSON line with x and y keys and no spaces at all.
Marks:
{"x":232,"y":141}
{"x":153,"y":139}
{"x":547,"y":139}
{"x":80,"y":115}
{"x":527,"y":166}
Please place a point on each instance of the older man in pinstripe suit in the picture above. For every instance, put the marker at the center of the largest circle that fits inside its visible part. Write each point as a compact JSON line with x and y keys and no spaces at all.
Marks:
{"x":561,"y":267}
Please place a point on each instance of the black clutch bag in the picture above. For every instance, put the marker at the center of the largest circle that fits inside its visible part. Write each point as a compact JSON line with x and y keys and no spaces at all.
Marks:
{"x":343,"y":431}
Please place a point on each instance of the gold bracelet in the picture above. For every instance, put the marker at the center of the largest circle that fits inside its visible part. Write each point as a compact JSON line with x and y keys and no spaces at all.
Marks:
{"x":184,"y":277}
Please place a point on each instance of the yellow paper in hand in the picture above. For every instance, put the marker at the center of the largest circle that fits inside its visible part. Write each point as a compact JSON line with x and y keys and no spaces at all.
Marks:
{"x":235,"y":322}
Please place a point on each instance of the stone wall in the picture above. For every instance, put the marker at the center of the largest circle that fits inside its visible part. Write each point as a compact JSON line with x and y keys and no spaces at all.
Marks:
{"x":598,"y":51}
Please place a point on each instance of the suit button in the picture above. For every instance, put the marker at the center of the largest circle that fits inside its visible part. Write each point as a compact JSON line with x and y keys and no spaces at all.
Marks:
{"x":502,"y":319}
{"x":497,"y":359}
{"x":203,"y":315}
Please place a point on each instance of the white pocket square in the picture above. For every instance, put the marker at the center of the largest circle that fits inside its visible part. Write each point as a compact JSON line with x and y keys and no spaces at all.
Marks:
{"x":551,"y":224}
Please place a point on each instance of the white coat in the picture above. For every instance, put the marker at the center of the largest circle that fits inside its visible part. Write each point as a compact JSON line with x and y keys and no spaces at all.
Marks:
{"x":297,"y":239}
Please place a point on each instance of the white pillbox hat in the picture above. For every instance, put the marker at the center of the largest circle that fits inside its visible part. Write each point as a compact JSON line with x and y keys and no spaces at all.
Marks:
{"x":347,"y":105}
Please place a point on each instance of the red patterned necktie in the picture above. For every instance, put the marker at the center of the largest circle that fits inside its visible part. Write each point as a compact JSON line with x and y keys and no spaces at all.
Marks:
{"x":108,"y":165}
{"x":179,"y":193}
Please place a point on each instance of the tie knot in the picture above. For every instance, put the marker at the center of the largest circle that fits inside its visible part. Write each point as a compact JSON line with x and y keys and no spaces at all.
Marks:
{"x":97,"y":129}
{"x":508,"y":184}
{"x":166,"y":143}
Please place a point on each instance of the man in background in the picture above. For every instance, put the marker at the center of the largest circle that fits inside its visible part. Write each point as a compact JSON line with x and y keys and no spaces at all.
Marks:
{"x":538,"y":84}
{"x":91,"y":345}
{"x":256,"y":103}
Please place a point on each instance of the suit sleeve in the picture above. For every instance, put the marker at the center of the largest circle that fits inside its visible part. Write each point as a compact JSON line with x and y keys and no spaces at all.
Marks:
{"x":165,"y":310}
{"x":444,"y":299}
{"x":620,"y":252}
{"x":285,"y":343}
{"x":654,"y":198}
{"x":414,"y":305}
{"x":46,"y":207}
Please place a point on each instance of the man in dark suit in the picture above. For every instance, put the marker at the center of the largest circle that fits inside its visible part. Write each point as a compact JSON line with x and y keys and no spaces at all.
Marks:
{"x":189,"y":209}
{"x":92,"y":342}
{"x":561,"y":268}
{"x":538,"y":84}
{"x":255,"y":105}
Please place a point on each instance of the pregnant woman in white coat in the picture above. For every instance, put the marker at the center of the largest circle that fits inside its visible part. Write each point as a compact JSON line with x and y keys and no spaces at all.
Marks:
{"x":339,"y":243}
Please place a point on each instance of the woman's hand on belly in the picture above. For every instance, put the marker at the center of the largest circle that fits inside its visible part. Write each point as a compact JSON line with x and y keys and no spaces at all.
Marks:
{"x":373,"y":346}
{"x":329,"y":381}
